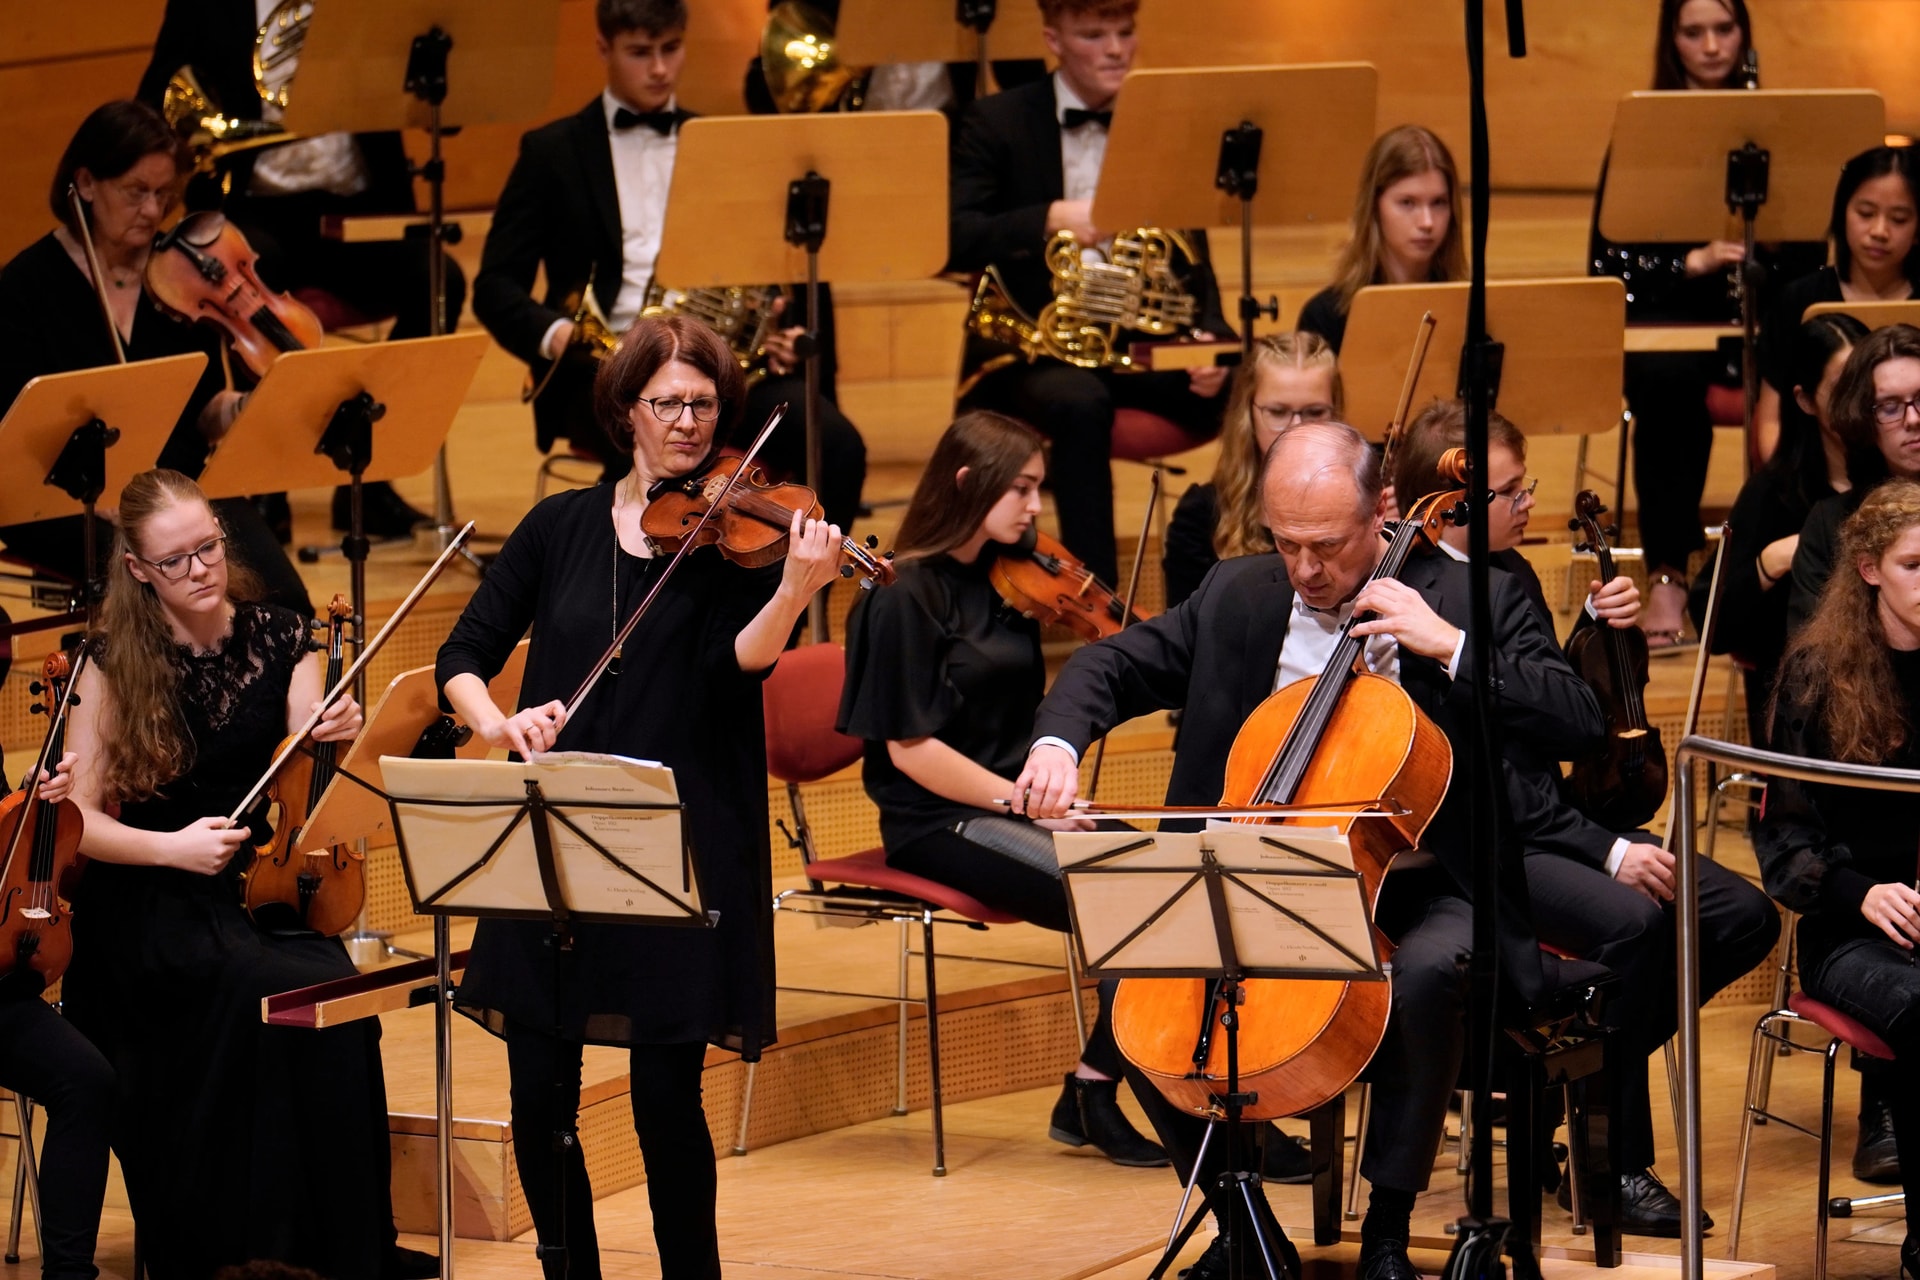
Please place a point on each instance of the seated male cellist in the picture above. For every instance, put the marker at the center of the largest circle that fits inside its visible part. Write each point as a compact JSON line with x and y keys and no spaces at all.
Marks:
{"x":1258,"y":623}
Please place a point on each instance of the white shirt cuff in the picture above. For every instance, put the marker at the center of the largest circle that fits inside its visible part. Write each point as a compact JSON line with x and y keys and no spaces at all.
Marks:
{"x":1588,"y":606}
{"x":1617,"y":855}
{"x":1453,"y":663}
{"x":1061,"y":743}
{"x":547,"y":348}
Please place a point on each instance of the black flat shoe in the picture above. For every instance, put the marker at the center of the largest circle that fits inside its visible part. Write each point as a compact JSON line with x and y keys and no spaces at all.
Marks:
{"x":1875,"y":1157}
{"x":1910,"y":1258}
{"x":1088,"y":1113}
{"x":409,"y":1264}
{"x":1386,"y":1260}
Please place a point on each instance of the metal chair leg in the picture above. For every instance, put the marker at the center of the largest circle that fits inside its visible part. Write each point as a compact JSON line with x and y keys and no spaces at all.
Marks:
{"x":1073,"y":991}
{"x":1760,"y":1054}
{"x":933,"y":1053}
{"x":1673,"y":1087}
{"x":746,"y":1110}
{"x":1782,"y":987}
{"x":1574,"y":1156}
{"x":26,"y":1180}
{"x":900,"y":1058}
{"x":1466,"y":1130}
{"x":1359,"y":1149}
{"x":1826,"y":1161}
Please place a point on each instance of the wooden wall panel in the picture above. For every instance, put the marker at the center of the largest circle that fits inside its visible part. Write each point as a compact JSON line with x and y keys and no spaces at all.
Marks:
{"x":36,"y":32}
{"x":43,"y":103}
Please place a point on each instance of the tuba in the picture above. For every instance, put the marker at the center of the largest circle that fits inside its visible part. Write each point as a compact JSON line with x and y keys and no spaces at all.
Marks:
{"x":741,"y":314}
{"x":1132,"y":287}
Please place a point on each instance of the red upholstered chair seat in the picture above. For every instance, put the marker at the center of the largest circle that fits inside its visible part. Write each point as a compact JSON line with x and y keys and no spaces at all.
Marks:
{"x":1726,"y":406}
{"x":1139,"y":435}
{"x":335,"y":312}
{"x":802,"y":698}
{"x":1848,"y":1030}
{"x":868,"y":869}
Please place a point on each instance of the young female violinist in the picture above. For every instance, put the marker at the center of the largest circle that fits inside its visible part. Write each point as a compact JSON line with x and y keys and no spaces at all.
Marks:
{"x":44,"y":1057}
{"x":685,"y":691}
{"x":1294,"y":377}
{"x":125,"y":164}
{"x":1875,"y":259}
{"x":237,"y":1140}
{"x":1849,"y":690}
{"x":942,"y":681}
{"x":1405,"y":227}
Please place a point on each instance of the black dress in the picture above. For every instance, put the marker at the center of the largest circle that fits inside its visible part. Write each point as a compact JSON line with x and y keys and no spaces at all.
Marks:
{"x":1323,"y":314}
{"x":1189,"y":549}
{"x":681,"y":699}
{"x":238,"y":1140}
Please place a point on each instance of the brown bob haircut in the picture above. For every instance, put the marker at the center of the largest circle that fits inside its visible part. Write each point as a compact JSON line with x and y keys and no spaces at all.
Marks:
{"x":113,"y":138}
{"x":650,"y":346}
{"x":1051,"y":11}
{"x":1441,"y":426}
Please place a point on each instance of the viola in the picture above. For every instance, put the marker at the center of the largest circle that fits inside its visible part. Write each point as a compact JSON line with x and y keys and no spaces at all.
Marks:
{"x":1040,"y":577}
{"x":1322,"y":740}
{"x":204,"y":269}
{"x":290,"y":885}
{"x":1621,"y":785}
{"x":42,"y":843}
{"x":753,"y":522}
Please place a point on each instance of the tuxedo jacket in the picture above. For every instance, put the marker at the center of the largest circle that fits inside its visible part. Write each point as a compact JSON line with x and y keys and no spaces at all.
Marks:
{"x":215,"y":38}
{"x":561,"y":208}
{"x":1005,"y":171}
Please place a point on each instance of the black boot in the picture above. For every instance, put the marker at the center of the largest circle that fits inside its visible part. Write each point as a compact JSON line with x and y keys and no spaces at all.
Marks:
{"x":1088,"y":1111}
{"x":1875,"y":1157}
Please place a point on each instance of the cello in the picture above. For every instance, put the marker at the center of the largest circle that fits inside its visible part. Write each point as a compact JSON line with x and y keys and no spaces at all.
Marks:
{"x":35,"y":929}
{"x":1344,"y":733}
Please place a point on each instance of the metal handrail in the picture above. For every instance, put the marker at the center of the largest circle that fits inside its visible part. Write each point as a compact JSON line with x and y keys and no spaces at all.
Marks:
{"x":1693,"y":750}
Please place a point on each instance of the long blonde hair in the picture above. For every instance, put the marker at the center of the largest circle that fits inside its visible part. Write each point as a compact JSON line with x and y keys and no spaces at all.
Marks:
{"x":1240,"y":528}
{"x":1839,"y":667}
{"x":1403,"y":152}
{"x":146,"y":746}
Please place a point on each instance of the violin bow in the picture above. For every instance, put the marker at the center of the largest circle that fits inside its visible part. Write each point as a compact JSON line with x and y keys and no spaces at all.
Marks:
{"x":299,"y":736}
{"x":1422,"y":337}
{"x":686,"y":545}
{"x":1710,"y":622}
{"x":93,"y":267}
{"x":1384,"y":807}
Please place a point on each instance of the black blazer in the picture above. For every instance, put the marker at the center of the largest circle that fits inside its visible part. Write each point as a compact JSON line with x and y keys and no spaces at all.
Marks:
{"x":1006,"y":170}
{"x":215,"y":38}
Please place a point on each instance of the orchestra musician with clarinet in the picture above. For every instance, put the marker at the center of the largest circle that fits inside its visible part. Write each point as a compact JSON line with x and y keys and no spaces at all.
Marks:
{"x":1260,"y":623}
{"x":683,"y":688}
{"x":237,"y":1140}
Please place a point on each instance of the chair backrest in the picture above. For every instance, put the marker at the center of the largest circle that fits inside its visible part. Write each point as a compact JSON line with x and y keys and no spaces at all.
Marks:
{"x":803,"y":700}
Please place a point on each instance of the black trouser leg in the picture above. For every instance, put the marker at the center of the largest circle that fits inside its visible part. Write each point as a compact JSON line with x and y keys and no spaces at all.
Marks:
{"x":45,"y":1058}
{"x":539,"y":1110}
{"x":682,"y":1185}
{"x":1672,"y":441}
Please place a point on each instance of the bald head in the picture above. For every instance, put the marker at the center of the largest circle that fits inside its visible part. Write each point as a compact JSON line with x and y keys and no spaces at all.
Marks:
{"x":1320,"y":492}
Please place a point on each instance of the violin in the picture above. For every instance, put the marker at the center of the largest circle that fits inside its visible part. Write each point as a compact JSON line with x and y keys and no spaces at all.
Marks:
{"x":42,"y":843}
{"x":1621,"y":785}
{"x":751,"y":522}
{"x":289,"y":886}
{"x":1323,"y":740}
{"x":1039,"y":577}
{"x":204,"y":269}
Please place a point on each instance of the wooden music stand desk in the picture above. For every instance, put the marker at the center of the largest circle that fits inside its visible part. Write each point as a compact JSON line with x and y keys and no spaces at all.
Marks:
{"x":1874,"y":315}
{"x":140,"y":401}
{"x":872,"y":32}
{"x":1560,"y":374}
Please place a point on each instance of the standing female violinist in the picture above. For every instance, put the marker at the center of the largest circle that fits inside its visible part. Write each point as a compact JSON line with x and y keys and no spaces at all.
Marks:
{"x":125,"y":163}
{"x":237,"y":1140}
{"x":44,"y":1057}
{"x":942,"y":681}
{"x":1295,"y":377}
{"x":685,"y":691}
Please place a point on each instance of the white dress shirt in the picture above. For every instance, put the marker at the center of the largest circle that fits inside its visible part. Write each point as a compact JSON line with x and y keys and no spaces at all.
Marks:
{"x":1082,"y":148}
{"x":331,"y":162}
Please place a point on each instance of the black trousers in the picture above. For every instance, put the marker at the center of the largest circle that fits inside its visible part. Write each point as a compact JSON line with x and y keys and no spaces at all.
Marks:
{"x":1584,"y":912}
{"x":1672,"y":440}
{"x":1876,"y":982}
{"x":1074,"y":408}
{"x":674,"y":1144}
{"x":45,"y":1058}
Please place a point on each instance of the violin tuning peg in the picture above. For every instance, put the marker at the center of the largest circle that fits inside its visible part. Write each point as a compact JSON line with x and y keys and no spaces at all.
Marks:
{"x":37,"y":709}
{"x":873,"y":541}
{"x":846,"y":571}
{"x":35,"y":687}
{"x":887,"y":556}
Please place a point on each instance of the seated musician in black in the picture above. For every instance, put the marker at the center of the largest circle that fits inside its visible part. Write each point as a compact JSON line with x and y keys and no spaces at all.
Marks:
{"x":281,"y":199}
{"x":1025,"y":165}
{"x":587,"y":200}
{"x":124,"y":162}
{"x":1598,"y":894}
{"x":1261,"y":622}
{"x":1849,"y":691}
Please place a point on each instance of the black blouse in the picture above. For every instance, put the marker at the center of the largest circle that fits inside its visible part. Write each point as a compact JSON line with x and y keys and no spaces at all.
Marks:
{"x":1753,"y":616}
{"x":1822,"y":847}
{"x":1189,"y":552}
{"x":681,"y":699}
{"x":1324,"y":315}
{"x":938,"y":654}
{"x":1813,"y":558}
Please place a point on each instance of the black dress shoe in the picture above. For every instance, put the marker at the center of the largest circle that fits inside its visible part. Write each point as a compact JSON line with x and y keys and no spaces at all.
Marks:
{"x":1875,"y":1157}
{"x":1647,"y":1208}
{"x":1212,"y":1265}
{"x":1386,"y":1260}
{"x":409,"y":1264}
{"x":1088,"y":1112}
{"x":1910,"y":1258}
{"x":383,"y":513}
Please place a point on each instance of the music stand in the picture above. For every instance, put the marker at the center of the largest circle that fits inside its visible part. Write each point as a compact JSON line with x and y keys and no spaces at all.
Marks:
{"x":1187,"y":149}
{"x":1874,"y":315}
{"x":1234,"y":902}
{"x":1768,"y":157}
{"x":872,"y":32}
{"x":375,"y":65}
{"x":86,"y":433}
{"x":566,"y":837}
{"x":768,"y":179}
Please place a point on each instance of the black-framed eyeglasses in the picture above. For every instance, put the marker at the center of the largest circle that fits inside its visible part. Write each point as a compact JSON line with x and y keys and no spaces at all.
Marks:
{"x":174,"y":568}
{"x":669,"y":408}
{"x":1521,"y":492}
{"x":1890,"y":412}
{"x":1285,"y":415}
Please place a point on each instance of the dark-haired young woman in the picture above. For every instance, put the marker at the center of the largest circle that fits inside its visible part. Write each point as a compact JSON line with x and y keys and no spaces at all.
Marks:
{"x":1842,"y":857}
{"x":942,"y":681}
{"x":686,"y":693}
{"x":1876,"y":210}
{"x":125,"y":163}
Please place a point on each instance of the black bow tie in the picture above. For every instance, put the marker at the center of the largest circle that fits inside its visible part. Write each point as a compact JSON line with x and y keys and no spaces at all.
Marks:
{"x":661,"y":122}
{"x":1074,"y":117}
